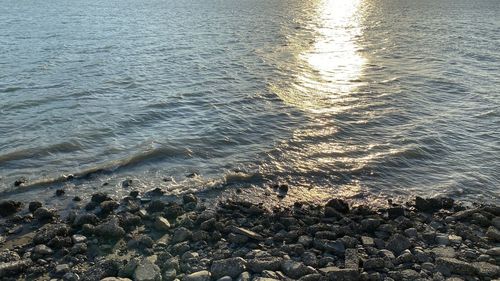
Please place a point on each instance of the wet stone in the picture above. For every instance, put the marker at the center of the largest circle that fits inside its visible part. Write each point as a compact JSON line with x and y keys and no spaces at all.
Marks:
{"x":232,"y":267}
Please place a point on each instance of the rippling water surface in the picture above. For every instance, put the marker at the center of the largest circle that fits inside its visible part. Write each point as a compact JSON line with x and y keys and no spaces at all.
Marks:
{"x":367,"y":99}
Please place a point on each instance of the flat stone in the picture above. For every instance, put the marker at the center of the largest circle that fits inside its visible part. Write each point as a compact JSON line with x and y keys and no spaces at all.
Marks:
{"x":445,"y":252}
{"x":228,"y":267}
{"x":260,"y":264}
{"x":367,"y":241}
{"x":448,"y":266}
{"x":335,"y":247}
{"x":9,"y":268}
{"x":486,"y":269}
{"x":250,"y":234}
{"x":338,"y":274}
{"x":203,"y":275}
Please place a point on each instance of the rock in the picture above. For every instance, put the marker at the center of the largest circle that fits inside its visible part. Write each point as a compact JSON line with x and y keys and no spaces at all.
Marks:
{"x":181,"y":234}
{"x":433,"y":204}
{"x":9,"y":207}
{"x":85,"y":219}
{"x":156,"y":206}
{"x":169,"y":275}
{"x":493,"y":234}
{"x":197,"y":276}
{"x":9,"y":269}
{"x":486,"y":269}
{"x":369,"y":224}
{"x":126,"y":183}
{"x":338,"y":205}
{"x":442,"y":239}
{"x":398,"y":243}
{"x":295,"y":269}
{"x":248,"y":233}
{"x":70,"y":276}
{"x":374,"y":264}
{"x":77,"y":238}
{"x":337,"y":274}
{"x":34,"y":205}
{"x":447,"y":266}
{"x":335,"y":247}
{"x":60,"y":192}
{"x":162,"y":224}
{"x":494,"y":251}
{"x":411,"y":232}
{"x":445,"y":252}
{"x":395,"y":212}
{"x":244,"y":276}
{"x":43,"y":214}
{"x":115,"y":279}
{"x":351,"y":258}
{"x":228,"y":267}
{"x":264,"y":263}
{"x":61,"y":269}
{"x":409,"y":274}
{"x":100,"y":197}
{"x":146,"y":270}
{"x":367,"y":241}
{"x":189,"y":198}
{"x":21,"y":181}
{"x":42,"y":250}
{"x":108,"y":206}
{"x":110,"y":230}
{"x":237,"y":238}
{"x":496,"y":222}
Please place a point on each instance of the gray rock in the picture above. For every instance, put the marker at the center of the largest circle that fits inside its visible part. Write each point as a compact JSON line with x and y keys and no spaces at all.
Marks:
{"x":442,"y":239}
{"x":228,"y":267}
{"x":197,"y":276}
{"x":411,"y":232}
{"x":115,"y":279}
{"x":13,"y":267}
{"x":62,"y":269}
{"x":485,"y":269}
{"x":42,"y":250}
{"x":398,"y":243}
{"x":311,"y":277}
{"x":162,"y":223}
{"x":367,"y":241}
{"x":34,"y":205}
{"x":493,"y":233}
{"x":351,"y":258}
{"x":85,"y":219}
{"x":169,"y":275}
{"x":181,"y":234}
{"x":77,"y":238}
{"x":447,"y":266}
{"x":264,"y":263}
{"x":338,"y":274}
{"x":146,"y":270}
{"x":225,"y":278}
{"x":295,"y":269}
{"x":496,"y":222}
{"x":494,"y":251}
{"x":244,"y":276}
{"x":409,"y":274}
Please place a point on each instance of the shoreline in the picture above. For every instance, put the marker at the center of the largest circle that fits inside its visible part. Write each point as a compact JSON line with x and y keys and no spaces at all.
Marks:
{"x":155,"y":237}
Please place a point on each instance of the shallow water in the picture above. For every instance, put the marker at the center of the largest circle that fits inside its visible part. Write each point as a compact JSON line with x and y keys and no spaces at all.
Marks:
{"x":367,"y":99}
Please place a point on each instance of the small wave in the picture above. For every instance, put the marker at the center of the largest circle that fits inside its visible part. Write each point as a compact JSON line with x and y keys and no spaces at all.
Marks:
{"x":10,"y":89}
{"x":67,"y":146}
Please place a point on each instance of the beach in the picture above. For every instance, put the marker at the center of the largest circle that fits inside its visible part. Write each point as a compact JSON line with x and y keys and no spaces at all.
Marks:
{"x":152,"y":237}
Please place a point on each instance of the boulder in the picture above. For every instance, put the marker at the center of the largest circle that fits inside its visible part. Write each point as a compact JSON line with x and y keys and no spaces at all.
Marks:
{"x":338,"y":205}
{"x":146,"y":270}
{"x":398,"y":243}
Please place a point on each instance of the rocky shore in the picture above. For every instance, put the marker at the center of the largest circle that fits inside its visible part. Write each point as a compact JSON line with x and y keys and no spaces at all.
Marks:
{"x":151,"y":237}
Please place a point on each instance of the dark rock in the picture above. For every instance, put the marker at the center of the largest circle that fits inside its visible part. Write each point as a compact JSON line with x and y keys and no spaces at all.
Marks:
{"x":433,"y":204}
{"x":9,"y":207}
{"x":44,"y":214}
{"x":260,"y":264}
{"x":228,"y":267}
{"x":181,"y":234}
{"x":11,"y":269}
{"x":398,"y":243}
{"x":60,"y":192}
{"x":50,"y":231}
{"x":110,"y":230}
{"x":77,"y":199}
{"x":334,"y":273}
{"x":20,"y":181}
{"x":374,"y":264}
{"x":335,"y":247}
{"x":102,"y":269}
{"x":493,"y":234}
{"x":134,"y":193}
{"x":395,"y":212}
{"x":34,"y":205}
{"x":108,"y":206}
{"x":339,"y":205}
{"x":156,"y":206}
{"x":189,"y":198}
{"x":126,"y":183}
{"x":86,"y":218}
{"x":100,"y":197}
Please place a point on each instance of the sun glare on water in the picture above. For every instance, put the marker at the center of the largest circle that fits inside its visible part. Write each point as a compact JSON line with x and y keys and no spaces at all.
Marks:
{"x":333,"y":66}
